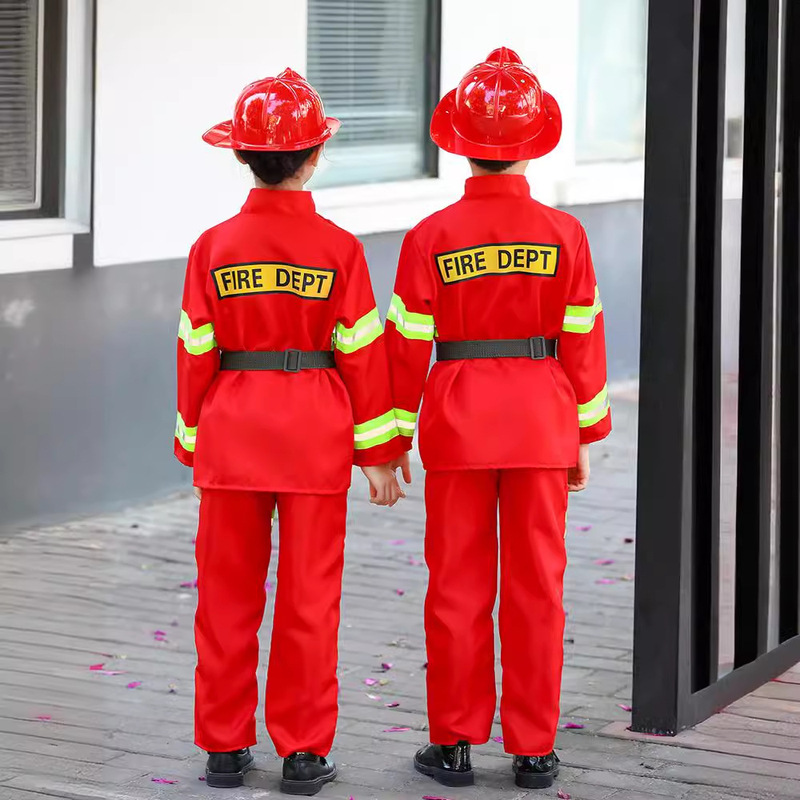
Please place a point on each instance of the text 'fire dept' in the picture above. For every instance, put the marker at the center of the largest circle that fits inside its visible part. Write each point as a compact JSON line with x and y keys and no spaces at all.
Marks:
{"x":235,"y":280}
{"x":514,"y":258}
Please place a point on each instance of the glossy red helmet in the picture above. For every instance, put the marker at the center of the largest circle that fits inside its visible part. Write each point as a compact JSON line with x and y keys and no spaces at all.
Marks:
{"x":283,"y":113}
{"x":498,"y":112}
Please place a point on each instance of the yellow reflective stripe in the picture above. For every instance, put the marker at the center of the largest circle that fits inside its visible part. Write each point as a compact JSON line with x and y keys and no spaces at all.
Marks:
{"x":595,"y":410}
{"x":580,"y":319}
{"x":408,"y":323}
{"x":196,"y":340}
{"x":406,"y":421}
{"x":185,"y":435}
{"x":364,"y":332}
{"x":376,"y":431}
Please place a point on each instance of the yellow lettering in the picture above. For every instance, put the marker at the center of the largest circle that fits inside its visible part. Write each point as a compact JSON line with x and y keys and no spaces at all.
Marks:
{"x":516,"y":258}
{"x":238,"y":280}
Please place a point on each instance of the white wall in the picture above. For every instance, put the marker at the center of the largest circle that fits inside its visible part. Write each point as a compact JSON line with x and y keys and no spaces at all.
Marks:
{"x":167,"y":71}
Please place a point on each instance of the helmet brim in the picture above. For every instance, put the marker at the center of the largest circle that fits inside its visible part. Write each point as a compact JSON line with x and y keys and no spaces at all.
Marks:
{"x":222,"y":136}
{"x":445,"y":135}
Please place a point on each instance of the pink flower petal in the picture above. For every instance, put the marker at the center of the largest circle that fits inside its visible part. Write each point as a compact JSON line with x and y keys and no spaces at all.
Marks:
{"x":268,"y":586}
{"x":397,"y":542}
{"x":189,"y":584}
{"x":604,"y":562}
{"x":399,"y":592}
{"x":624,"y":707}
{"x":498,"y":739}
{"x":605,"y":581}
{"x":415,"y":562}
{"x":96,"y":667}
{"x":44,"y":718}
{"x":134,"y":685}
{"x":386,"y":666}
{"x":111,"y":672}
{"x":396,"y":730}
{"x":370,"y":682}
{"x":582,"y":528}
{"x":573,"y":726}
{"x":391,"y":705}
{"x":433,"y":797}
{"x":562,"y":795}
{"x":628,"y":540}
{"x":159,"y":633}
{"x":425,"y":665}
{"x":202,"y":778}
{"x":162,"y":780}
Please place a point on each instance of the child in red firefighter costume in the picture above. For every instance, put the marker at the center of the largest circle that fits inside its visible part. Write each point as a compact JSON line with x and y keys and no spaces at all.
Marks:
{"x":503,"y":284}
{"x":283,"y":384}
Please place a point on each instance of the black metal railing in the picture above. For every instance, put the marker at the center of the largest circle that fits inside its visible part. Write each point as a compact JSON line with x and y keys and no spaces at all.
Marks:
{"x":677,"y":677}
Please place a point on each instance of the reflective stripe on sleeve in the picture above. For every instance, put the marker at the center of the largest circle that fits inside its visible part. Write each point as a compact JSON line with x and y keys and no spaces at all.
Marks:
{"x":364,"y":332}
{"x":376,"y":431}
{"x":185,"y":435}
{"x":409,"y":324}
{"x":595,"y":410}
{"x":580,"y":319}
{"x":196,"y":340}
{"x":406,"y":421}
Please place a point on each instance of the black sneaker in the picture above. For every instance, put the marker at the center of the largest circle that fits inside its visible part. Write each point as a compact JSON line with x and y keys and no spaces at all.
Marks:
{"x":536,"y":772}
{"x":226,"y":770}
{"x":306,"y":773}
{"x":449,"y":765}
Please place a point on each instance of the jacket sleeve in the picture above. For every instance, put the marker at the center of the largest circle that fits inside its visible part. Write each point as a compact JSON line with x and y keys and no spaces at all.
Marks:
{"x":409,"y":335}
{"x":582,"y":348}
{"x":360,"y":352}
{"x":198,"y":357}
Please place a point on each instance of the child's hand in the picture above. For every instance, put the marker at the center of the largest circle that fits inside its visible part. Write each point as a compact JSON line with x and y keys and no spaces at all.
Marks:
{"x":384,"y":490}
{"x":403,"y":465}
{"x":198,"y":492}
{"x":578,"y":477}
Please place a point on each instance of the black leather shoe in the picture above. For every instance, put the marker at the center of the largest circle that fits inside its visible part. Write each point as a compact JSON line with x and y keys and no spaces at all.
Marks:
{"x":306,"y":773}
{"x":226,"y":770}
{"x":536,"y":772}
{"x":449,"y":765}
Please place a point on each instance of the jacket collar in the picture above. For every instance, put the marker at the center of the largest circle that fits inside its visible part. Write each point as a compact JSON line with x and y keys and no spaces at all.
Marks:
{"x":261,"y":200}
{"x":508,"y":185}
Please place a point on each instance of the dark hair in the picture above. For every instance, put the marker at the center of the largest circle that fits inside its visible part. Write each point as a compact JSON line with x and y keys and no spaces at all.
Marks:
{"x":273,"y":167}
{"x":492,"y":166}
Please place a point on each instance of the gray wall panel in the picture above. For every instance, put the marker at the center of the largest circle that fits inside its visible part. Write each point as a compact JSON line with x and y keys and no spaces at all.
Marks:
{"x":87,"y":370}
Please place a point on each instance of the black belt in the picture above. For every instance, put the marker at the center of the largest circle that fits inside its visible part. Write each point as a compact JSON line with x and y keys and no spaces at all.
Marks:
{"x":286,"y":360}
{"x":537,"y":348}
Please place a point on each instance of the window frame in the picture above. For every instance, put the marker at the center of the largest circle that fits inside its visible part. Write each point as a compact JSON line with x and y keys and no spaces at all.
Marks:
{"x":51,"y":122}
{"x":431,"y":80}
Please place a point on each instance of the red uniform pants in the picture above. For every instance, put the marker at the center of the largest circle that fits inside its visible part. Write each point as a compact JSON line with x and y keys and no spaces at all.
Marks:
{"x":233,"y":552}
{"x":461,"y":548}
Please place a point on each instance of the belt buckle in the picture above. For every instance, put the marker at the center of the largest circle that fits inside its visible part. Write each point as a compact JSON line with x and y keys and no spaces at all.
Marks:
{"x":292,"y":360}
{"x":537,"y":348}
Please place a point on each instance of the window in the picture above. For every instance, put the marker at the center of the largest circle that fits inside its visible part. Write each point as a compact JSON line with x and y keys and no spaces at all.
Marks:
{"x":611,"y":80}
{"x":375,"y":62}
{"x":20,"y":27}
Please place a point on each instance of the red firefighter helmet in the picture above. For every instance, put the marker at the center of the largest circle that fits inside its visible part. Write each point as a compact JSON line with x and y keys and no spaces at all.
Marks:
{"x":498,"y":112}
{"x":283,"y":113}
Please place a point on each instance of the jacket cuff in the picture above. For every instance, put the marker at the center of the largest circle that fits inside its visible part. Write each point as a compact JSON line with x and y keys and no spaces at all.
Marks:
{"x":380,"y":454}
{"x":184,"y":456}
{"x":596,"y":433}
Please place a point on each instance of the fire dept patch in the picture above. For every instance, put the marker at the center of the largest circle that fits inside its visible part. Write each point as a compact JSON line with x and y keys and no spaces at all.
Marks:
{"x":238,"y":280}
{"x":514,"y":258}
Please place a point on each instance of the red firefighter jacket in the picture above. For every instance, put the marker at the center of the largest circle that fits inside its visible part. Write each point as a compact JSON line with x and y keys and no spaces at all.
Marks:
{"x":277,"y":276}
{"x":498,"y":265}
